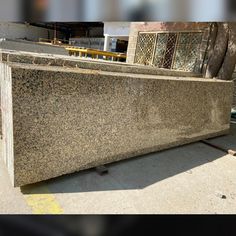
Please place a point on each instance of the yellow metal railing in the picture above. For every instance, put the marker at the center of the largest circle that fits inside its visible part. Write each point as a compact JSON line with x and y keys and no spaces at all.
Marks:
{"x":94,"y":53}
{"x":85,"y":52}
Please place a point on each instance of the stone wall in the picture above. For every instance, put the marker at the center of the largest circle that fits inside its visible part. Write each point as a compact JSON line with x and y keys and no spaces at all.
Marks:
{"x":14,"y":31}
{"x":59,"y":120}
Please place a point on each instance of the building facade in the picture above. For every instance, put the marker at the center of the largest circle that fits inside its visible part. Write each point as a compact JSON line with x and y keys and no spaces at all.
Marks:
{"x":176,"y":46}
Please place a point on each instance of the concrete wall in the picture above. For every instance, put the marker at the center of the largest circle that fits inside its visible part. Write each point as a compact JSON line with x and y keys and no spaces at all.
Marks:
{"x":20,"y":31}
{"x":68,"y":119}
{"x":117,"y":28}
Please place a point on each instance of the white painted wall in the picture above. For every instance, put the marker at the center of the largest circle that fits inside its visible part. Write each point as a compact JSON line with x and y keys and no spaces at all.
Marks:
{"x":18,"y":31}
{"x":116,"y":29}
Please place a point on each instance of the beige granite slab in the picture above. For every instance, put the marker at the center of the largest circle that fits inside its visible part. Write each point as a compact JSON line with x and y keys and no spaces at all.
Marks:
{"x":60,"y":120}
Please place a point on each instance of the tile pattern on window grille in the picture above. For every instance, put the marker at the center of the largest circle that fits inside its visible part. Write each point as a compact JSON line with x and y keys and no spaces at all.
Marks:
{"x":169,"y":53}
{"x":187,"y":51}
{"x":145,"y":47}
{"x":178,"y":51}
{"x":160,"y":50}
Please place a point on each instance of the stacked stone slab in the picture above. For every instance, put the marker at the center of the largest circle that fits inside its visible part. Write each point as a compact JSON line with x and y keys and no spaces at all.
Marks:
{"x":59,"y":118}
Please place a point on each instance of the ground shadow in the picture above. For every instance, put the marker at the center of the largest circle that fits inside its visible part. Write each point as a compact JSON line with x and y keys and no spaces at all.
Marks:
{"x":134,"y":173}
{"x":227,"y":141}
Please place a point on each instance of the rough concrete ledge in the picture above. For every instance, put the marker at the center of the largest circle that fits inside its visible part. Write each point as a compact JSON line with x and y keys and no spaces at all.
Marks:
{"x":93,"y":64}
{"x":115,"y":75}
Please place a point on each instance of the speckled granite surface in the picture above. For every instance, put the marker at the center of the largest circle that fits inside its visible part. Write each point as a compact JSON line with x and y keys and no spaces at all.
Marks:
{"x":66,"y":120}
{"x":93,"y":64}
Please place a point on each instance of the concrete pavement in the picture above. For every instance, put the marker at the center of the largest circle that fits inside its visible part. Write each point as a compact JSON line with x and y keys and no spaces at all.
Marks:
{"x":194,"y":178}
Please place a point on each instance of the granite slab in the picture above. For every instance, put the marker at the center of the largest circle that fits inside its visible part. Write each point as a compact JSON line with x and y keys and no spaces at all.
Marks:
{"x":59,"y":120}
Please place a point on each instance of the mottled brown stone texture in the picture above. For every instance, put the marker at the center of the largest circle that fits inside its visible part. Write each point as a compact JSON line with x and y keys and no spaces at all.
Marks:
{"x":60,"y":120}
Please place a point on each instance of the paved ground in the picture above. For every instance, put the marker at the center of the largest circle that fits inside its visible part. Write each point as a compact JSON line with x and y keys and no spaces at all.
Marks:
{"x":194,"y":178}
{"x":22,"y":45}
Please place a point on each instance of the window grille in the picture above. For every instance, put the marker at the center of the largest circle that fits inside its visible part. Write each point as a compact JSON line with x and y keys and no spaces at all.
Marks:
{"x":177,"y":50}
{"x":145,"y":47}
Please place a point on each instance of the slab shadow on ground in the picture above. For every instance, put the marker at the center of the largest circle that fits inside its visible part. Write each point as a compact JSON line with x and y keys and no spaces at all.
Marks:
{"x":134,"y":173}
{"x":227,"y":141}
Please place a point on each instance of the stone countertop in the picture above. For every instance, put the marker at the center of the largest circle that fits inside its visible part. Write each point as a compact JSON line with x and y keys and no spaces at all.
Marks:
{"x":112,"y":74}
{"x":83,"y":63}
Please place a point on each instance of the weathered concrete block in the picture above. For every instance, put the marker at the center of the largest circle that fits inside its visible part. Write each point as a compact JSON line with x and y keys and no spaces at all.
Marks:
{"x":60,"y":120}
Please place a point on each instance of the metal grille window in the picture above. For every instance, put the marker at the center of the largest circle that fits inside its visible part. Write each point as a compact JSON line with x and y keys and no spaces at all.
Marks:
{"x":145,"y":47}
{"x":178,"y":50}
